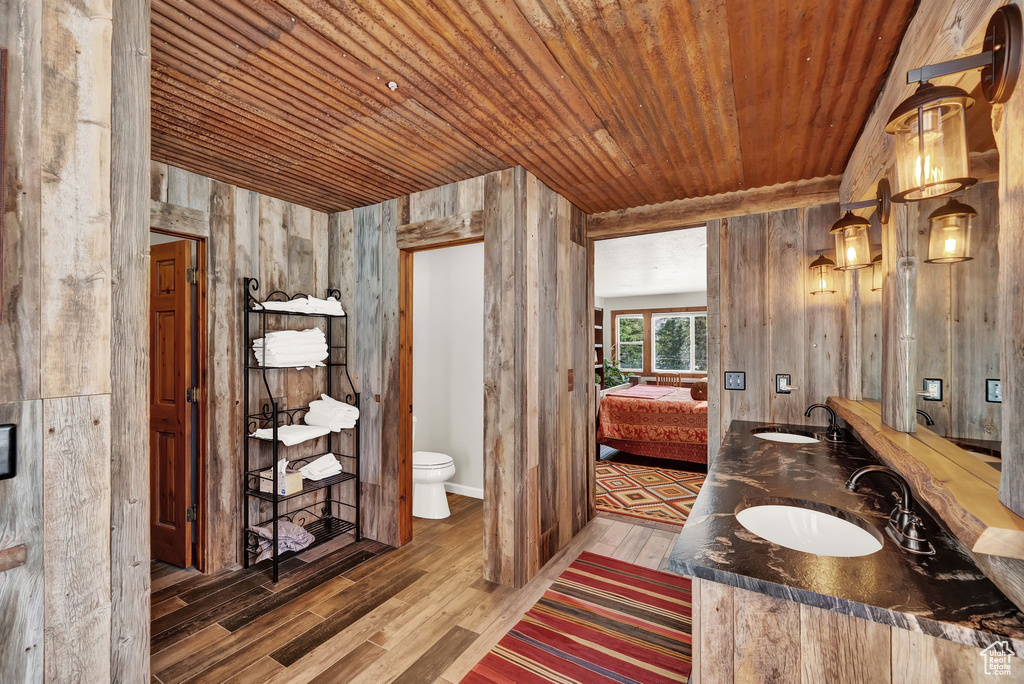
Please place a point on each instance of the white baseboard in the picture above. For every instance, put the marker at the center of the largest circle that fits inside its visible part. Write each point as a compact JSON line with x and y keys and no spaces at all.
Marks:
{"x":454,"y":488}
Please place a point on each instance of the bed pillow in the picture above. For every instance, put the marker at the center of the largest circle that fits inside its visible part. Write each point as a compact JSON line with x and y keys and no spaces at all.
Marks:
{"x":699,"y":391}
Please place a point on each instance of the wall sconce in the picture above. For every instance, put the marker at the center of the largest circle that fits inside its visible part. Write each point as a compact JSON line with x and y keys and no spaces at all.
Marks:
{"x":821,"y":275}
{"x":930,"y":125}
{"x":949,"y":239}
{"x":853,"y":246}
{"x":877,"y":271}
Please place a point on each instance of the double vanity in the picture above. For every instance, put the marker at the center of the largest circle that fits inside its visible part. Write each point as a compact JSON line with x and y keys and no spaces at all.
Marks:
{"x":811,"y":562}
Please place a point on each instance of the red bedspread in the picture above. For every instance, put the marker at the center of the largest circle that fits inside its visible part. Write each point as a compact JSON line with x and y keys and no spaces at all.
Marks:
{"x":663,"y":422}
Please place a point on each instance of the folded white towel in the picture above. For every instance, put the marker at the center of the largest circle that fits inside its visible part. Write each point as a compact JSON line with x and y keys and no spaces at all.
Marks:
{"x":325,"y":466}
{"x":290,"y":435}
{"x":315,"y":305}
{"x":291,"y":348}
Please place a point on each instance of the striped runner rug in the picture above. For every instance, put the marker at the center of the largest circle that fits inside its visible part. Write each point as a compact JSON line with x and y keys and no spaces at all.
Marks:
{"x":602,"y":620}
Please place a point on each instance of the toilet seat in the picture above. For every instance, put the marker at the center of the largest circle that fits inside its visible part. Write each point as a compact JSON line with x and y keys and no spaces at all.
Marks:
{"x":430,"y":460}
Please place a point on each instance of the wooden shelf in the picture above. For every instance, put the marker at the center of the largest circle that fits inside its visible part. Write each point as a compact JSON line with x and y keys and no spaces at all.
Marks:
{"x":961,"y":488}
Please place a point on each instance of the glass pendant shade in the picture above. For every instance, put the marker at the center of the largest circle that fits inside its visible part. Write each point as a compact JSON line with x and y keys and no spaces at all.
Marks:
{"x":853,"y":248}
{"x":822,"y":276}
{"x":877,"y":271}
{"x":949,"y":239}
{"x":931,"y":143}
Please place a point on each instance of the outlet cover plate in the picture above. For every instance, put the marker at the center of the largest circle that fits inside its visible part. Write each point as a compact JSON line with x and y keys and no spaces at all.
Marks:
{"x":782,"y":382}
{"x":933,"y":386}
{"x":8,"y":452}
{"x":735,"y":380}
{"x":994,"y":391}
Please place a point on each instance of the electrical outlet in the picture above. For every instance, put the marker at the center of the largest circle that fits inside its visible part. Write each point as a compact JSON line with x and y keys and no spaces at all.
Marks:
{"x":932,"y":389}
{"x":735,"y":380}
{"x":8,"y":452}
{"x":994,"y":391}
{"x":782,"y":385}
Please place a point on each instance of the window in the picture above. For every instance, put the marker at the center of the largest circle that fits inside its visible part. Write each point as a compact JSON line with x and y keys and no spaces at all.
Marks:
{"x":680,"y":342}
{"x":629,"y":341}
{"x":649,"y":341}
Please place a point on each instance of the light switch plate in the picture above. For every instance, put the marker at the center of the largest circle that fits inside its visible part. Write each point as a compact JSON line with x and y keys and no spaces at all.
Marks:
{"x":933,"y":389}
{"x":8,"y":452}
{"x":735,"y":380}
{"x":994,"y":391}
{"x":782,"y":383}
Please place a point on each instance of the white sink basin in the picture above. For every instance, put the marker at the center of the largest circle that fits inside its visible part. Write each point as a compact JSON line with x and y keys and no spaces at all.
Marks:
{"x":773,"y":435}
{"x":811,"y":530}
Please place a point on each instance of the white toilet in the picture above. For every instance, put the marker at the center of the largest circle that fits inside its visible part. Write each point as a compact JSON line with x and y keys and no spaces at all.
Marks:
{"x":430,"y":471}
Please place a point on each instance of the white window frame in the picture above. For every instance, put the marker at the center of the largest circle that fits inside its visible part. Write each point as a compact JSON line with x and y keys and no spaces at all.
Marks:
{"x":692,"y":315}
{"x":619,"y":344}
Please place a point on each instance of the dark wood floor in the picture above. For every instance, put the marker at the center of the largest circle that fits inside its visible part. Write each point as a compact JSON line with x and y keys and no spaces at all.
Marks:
{"x":363,"y":613}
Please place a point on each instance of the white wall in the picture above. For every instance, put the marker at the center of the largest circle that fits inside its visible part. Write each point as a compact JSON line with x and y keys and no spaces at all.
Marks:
{"x":448,"y":360}
{"x":667,"y":301}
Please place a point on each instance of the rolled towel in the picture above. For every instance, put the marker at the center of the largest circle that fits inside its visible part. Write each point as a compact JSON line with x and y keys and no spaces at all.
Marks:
{"x":290,"y":435}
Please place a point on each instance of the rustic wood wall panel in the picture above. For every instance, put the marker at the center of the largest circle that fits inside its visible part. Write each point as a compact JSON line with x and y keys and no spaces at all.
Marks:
{"x":21,"y":522}
{"x":764,"y":320}
{"x":746,"y":637}
{"x":975,"y":343}
{"x":899,"y":346}
{"x":744,"y":316}
{"x":76,"y":538}
{"x":787,"y":324}
{"x":395,"y":466}
{"x":295,"y":99}
{"x":129,"y":352}
{"x":1008,"y":126}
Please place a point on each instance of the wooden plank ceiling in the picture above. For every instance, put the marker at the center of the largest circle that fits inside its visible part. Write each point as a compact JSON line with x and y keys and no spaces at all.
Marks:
{"x":613,"y":104}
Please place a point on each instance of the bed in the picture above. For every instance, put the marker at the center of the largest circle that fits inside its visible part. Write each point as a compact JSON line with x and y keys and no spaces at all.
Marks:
{"x":654,"y":420}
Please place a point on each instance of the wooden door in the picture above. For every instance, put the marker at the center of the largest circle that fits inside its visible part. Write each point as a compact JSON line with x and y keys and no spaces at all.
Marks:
{"x":170,"y":417}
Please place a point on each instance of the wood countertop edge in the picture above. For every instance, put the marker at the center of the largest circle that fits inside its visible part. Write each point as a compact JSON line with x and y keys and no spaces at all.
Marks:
{"x":967,"y":501}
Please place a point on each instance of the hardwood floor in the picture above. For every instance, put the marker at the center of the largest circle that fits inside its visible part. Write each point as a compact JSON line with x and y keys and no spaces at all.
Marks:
{"x":363,"y":613}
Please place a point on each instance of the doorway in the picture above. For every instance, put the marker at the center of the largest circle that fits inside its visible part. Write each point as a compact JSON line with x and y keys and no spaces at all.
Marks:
{"x":441,"y":308}
{"x":177,"y":398}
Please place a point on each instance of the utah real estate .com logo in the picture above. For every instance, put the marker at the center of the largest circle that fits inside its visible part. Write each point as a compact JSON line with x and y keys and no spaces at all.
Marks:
{"x":997,"y":658}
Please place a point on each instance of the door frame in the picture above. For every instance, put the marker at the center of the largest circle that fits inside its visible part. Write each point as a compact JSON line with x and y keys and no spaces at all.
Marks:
{"x":202,"y":352}
{"x":405,"y":372}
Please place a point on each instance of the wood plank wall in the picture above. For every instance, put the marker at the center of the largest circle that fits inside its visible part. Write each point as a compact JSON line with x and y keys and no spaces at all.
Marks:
{"x":286,"y":247}
{"x":538,"y":427}
{"x":738,"y":641}
{"x":957,"y":321}
{"x":769,"y":321}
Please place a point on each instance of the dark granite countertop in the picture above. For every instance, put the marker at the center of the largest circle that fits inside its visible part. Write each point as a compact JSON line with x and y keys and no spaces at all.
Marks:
{"x":943,"y":595}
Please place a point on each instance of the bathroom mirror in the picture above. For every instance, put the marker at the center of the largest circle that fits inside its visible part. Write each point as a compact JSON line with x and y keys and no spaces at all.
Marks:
{"x":958,"y":346}
{"x":870,"y":288}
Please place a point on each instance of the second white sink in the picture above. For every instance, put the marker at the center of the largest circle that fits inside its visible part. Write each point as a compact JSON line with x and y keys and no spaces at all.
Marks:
{"x":811,"y":530}
{"x":792,"y":437}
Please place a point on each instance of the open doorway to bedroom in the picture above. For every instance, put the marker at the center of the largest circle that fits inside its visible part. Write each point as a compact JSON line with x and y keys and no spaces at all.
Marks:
{"x":652,"y":347}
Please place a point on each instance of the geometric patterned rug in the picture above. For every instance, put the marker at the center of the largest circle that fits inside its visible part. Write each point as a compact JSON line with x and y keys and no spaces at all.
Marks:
{"x":603,"y":620}
{"x":644,"y":492}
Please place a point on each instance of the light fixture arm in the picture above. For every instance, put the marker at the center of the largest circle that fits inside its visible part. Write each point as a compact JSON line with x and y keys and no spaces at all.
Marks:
{"x":953,"y":66}
{"x":866,"y":204}
{"x":882,"y":201}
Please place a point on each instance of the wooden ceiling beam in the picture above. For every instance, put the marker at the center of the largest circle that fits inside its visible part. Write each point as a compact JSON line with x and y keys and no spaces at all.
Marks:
{"x":685,"y":213}
{"x":940,"y":30}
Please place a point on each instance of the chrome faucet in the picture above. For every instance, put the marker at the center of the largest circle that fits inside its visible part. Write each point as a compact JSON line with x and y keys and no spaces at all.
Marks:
{"x":834,"y":433}
{"x":904,"y":526}
{"x":927,"y":419}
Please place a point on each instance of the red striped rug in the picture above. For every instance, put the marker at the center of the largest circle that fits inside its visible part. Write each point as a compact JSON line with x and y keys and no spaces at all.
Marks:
{"x":601,"y":621}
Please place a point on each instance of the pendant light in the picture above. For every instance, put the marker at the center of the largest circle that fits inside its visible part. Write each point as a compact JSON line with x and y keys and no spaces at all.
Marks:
{"x":853,"y":248}
{"x":877,"y":271}
{"x":930,"y":125}
{"x":821,"y":276}
{"x":949,"y":238}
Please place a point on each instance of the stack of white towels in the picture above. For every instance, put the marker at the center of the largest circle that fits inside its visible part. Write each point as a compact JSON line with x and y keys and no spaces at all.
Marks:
{"x":306,"y":305}
{"x":325,"y":466}
{"x":330,"y":413}
{"x":291,"y":348}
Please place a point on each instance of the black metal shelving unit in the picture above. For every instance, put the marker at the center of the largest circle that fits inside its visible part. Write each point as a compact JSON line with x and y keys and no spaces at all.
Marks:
{"x":322,"y":519}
